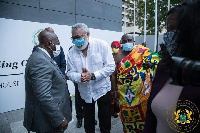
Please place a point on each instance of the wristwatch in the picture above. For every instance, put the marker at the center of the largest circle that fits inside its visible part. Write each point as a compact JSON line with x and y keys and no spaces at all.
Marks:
{"x":93,"y":76}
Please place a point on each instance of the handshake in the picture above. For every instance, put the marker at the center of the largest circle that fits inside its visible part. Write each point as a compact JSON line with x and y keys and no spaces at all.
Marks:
{"x":86,"y":76}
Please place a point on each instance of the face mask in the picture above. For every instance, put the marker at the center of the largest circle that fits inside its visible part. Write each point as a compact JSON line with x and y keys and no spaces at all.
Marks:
{"x":78,"y":42}
{"x":57,"y":52}
{"x":115,"y":50}
{"x":170,"y":39}
{"x":79,"y":48}
{"x":127,"y":46}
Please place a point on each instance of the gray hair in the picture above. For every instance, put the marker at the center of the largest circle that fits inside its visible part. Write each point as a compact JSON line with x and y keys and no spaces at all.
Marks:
{"x":83,"y":26}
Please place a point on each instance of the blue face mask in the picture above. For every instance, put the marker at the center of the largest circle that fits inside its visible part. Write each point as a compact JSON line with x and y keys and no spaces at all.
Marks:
{"x":78,"y":42}
{"x":127,"y":46}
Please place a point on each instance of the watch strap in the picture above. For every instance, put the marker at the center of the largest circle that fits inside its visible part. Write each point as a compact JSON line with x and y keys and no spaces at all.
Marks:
{"x":93,"y":76}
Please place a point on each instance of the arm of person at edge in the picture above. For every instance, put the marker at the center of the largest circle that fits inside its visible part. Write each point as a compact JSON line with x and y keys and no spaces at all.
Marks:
{"x":117,"y":58}
{"x":114,"y":85}
{"x":150,"y":120}
{"x":62,"y":61}
{"x":42,"y":83}
{"x":85,"y":76}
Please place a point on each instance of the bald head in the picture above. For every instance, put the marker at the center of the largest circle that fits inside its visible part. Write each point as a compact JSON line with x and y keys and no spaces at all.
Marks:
{"x":48,"y":40}
{"x":126,"y":38}
{"x":46,"y":36}
{"x":49,"y":29}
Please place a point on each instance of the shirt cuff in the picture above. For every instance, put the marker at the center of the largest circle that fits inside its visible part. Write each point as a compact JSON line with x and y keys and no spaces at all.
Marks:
{"x":97,"y":75}
{"x":74,"y":77}
{"x":78,"y":78}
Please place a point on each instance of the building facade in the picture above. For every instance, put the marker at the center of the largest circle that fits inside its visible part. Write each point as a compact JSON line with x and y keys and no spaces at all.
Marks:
{"x":97,"y":14}
{"x":128,"y":17}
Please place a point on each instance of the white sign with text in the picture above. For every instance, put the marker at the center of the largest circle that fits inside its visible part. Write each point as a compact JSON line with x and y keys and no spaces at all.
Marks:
{"x":16,"y":45}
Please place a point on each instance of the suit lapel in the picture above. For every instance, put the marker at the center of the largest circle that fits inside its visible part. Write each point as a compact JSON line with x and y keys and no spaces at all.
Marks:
{"x":52,"y":61}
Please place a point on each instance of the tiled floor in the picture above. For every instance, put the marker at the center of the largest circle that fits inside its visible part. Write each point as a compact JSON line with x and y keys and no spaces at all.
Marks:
{"x":12,"y":122}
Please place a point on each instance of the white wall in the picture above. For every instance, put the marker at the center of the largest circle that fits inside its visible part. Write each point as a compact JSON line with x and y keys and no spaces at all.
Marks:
{"x":150,"y":41}
{"x":16,"y":44}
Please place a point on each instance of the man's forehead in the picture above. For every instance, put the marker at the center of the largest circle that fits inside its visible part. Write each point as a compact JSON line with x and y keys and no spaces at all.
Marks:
{"x":125,"y":37}
{"x":77,"y":31}
{"x":55,"y":38}
{"x":48,"y":34}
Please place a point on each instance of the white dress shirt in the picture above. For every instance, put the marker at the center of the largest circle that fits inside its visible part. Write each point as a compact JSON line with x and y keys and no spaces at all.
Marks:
{"x":99,"y":61}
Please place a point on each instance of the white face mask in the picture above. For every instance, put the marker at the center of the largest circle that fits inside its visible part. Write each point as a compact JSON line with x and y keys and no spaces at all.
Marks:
{"x":79,"y":48}
{"x":57,"y":52}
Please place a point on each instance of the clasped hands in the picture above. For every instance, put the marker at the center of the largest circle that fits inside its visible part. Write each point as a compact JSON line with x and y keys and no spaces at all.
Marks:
{"x":85,"y":75}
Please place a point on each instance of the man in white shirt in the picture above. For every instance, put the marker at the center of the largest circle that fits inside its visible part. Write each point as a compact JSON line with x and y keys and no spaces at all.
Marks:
{"x":90,"y":63}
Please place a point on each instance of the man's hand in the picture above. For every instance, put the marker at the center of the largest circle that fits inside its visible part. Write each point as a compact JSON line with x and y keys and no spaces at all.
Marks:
{"x":148,"y":65}
{"x":86,"y":75}
{"x":63,"y":126}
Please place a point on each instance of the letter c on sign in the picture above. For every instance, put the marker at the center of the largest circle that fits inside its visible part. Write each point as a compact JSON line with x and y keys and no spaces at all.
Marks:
{"x":24,"y":62}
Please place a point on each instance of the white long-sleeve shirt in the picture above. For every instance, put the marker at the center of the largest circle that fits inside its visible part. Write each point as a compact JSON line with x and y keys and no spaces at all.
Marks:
{"x":99,"y":61}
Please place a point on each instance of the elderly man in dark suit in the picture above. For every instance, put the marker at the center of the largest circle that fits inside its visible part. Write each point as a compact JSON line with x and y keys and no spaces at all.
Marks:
{"x":47,"y":105}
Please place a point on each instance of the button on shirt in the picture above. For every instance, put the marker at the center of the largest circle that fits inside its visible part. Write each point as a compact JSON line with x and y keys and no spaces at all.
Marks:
{"x":99,"y":60}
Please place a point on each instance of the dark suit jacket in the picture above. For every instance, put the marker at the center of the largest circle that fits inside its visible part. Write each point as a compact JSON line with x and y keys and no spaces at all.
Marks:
{"x":60,"y":59}
{"x":47,"y":100}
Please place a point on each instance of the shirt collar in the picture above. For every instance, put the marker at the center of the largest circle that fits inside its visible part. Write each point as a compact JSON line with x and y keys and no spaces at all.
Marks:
{"x":44,"y":50}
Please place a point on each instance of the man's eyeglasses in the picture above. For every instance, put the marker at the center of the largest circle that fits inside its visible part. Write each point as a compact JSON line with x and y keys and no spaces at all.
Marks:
{"x":76,"y":37}
{"x":126,"y":41}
